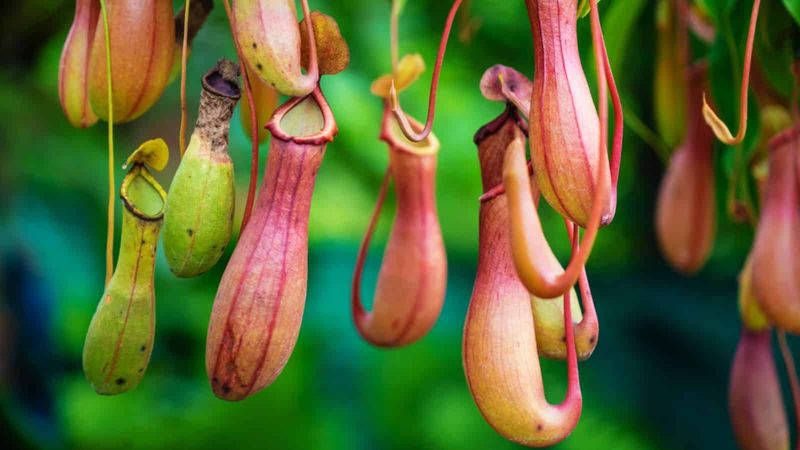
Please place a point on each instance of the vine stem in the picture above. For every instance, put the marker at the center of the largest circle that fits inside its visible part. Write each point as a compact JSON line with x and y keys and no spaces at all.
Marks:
{"x":573,"y":376}
{"x":355,"y":300}
{"x":248,"y":91}
{"x":184,"y":56}
{"x":111,"y":181}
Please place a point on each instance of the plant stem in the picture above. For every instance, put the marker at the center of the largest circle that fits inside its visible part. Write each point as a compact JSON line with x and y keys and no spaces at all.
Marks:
{"x":184,"y":56}
{"x":111,"y":182}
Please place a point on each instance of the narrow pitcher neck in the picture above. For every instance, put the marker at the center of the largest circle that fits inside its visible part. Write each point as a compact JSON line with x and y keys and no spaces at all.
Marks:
{"x":137,"y":250}
{"x":218,"y":98}
{"x":414,"y":178}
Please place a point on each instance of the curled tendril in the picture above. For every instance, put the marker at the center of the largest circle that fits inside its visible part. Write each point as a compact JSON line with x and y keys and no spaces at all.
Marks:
{"x":547,"y":317}
{"x":721,"y":130}
{"x":514,"y":88}
{"x":403,"y":121}
{"x":536,"y":265}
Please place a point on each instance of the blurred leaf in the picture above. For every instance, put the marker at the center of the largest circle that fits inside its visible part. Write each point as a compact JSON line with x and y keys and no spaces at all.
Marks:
{"x":618,"y":23}
{"x":719,"y":8}
{"x":773,"y":48}
{"x":794,"y":8}
{"x":336,"y":391}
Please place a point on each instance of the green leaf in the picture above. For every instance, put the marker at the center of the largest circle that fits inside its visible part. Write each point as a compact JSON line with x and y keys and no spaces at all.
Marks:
{"x":621,"y":17}
{"x":774,"y":50}
{"x":794,"y":9}
{"x":719,"y":9}
{"x":398,"y":6}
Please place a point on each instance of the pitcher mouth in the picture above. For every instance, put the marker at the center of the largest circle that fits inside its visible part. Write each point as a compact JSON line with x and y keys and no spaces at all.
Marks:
{"x":223,"y":80}
{"x":322,"y":135}
{"x":142,"y":195}
{"x":510,"y":113}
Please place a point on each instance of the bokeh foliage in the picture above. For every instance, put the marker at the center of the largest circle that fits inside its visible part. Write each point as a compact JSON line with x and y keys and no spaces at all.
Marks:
{"x":657,"y":380}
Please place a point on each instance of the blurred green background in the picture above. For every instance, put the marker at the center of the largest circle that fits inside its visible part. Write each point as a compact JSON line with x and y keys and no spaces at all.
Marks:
{"x":657,"y":380}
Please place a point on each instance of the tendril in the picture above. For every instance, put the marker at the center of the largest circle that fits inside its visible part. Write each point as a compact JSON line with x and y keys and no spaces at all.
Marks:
{"x":527,"y":236}
{"x":111,"y":182}
{"x":721,"y":130}
{"x":573,"y":377}
{"x":313,"y":63}
{"x":533,"y":258}
{"x":587,"y":300}
{"x":403,"y":121}
{"x":601,"y":58}
{"x":357,"y":306}
{"x":184,"y":55}
{"x":603,"y":69}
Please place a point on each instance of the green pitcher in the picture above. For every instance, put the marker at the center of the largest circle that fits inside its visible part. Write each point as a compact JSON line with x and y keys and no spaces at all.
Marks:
{"x":120,"y":337}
